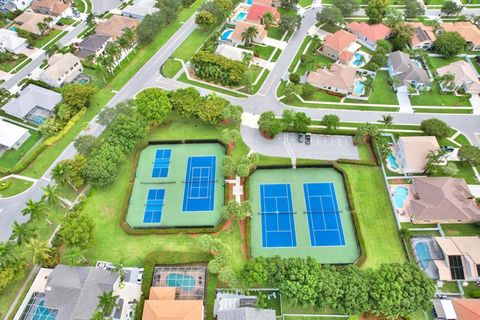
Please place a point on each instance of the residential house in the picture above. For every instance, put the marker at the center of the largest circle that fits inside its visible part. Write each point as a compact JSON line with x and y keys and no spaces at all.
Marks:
{"x":12,"y":5}
{"x":442,"y":200}
{"x":229,"y":306}
{"x":465,"y":77}
{"x":231,"y":52}
{"x":408,"y":72}
{"x":461,"y":258}
{"x":339,"y":79}
{"x":11,"y":42}
{"x":28,"y":21}
{"x":467,"y":30}
{"x":240,"y":28}
{"x":264,"y":2}
{"x":423,"y":36}
{"x":55,"y":8}
{"x":340,"y":46}
{"x":63,"y":68}
{"x":115,"y":26}
{"x":34,"y":104}
{"x":162,"y":305}
{"x":413,"y":151}
{"x":257,"y":11}
{"x":457,"y":309}
{"x":444,"y":309}
{"x":11,"y":136}
{"x":93,"y":46}
{"x":369,"y":34}
{"x":139,"y":9}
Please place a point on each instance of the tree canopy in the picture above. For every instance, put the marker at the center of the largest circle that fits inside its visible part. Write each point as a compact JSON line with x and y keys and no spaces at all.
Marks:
{"x":449,"y":44}
{"x":153,"y":104}
{"x":435,"y":127}
{"x":376,"y":10}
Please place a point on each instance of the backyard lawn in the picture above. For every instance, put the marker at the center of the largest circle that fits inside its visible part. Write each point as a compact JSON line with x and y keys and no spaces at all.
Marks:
{"x":464,"y":171}
{"x":382,"y":92}
{"x":438,"y":62}
{"x":8,"y":65}
{"x":458,"y":229}
{"x":435,"y":98}
{"x":11,"y":157}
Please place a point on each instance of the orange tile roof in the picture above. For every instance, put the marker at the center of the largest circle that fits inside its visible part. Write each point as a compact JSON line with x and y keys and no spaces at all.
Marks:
{"x":338,"y":76}
{"x":257,"y":11}
{"x":162,"y":293}
{"x":56,"y":7}
{"x":419,"y":29}
{"x":373,"y":32}
{"x":114,"y":26}
{"x":466,"y":29}
{"x":241,"y":26}
{"x":340,"y":40}
{"x":467,"y":309}
{"x":162,"y":305}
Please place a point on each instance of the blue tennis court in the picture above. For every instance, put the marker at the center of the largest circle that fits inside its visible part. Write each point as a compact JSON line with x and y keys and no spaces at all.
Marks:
{"x":278,"y":227}
{"x":323,"y":215}
{"x":154,"y":206}
{"x":200,"y":184}
{"x":161,"y":163}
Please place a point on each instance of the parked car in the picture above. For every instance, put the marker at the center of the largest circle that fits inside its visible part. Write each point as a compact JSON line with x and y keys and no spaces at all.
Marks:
{"x":308,"y":138}
{"x":300,"y":137}
{"x":140,"y":276}
{"x":447,"y":148}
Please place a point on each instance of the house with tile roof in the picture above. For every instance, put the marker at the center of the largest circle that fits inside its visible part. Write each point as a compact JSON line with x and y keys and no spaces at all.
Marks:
{"x":413,"y":151}
{"x":115,"y":26}
{"x":340,"y":46}
{"x":28,"y":21}
{"x":465,"y":77}
{"x":461,"y":258}
{"x":369,"y":34}
{"x":423,"y":36}
{"x":12,"y":5}
{"x":240,"y":28}
{"x":63,"y":68}
{"x":54,"y":8}
{"x":257,"y":11}
{"x":339,"y":79}
{"x":467,"y":30}
{"x":230,"y":306}
{"x":442,"y":200}
{"x":163,"y":305}
{"x":408,"y":72}
{"x":467,"y":309}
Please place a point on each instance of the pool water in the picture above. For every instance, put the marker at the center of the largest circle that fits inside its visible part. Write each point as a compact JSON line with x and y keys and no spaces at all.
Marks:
{"x":241,"y":16}
{"x":249,"y":2}
{"x":38,"y":120}
{"x":392,"y":161}
{"x":226,"y":34}
{"x":399,"y":195}
{"x":359,"y":87}
{"x":185,"y":282}
{"x":12,"y":28}
{"x":423,"y":254}
{"x":359,"y":60}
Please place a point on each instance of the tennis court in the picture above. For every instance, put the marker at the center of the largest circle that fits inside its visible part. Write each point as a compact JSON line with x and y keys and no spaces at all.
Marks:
{"x":177,"y":185}
{"x":302,"y":212}
{"x":324,"y":220}
{"x":278,"y":227}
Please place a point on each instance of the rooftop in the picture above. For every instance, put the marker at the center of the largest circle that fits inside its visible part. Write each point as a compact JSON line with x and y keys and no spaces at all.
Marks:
{"x":466,"y":29}
{"x":10,"y":133}
{"x":416,"y":150}
{"x":464,"y":75}
{"x":338,"y":76}
{"x":340,"y":40}
{"x":115,"y":25}
{"x":373,"y":32}
{"x":30,"y":98}
{"x":257,"y":11}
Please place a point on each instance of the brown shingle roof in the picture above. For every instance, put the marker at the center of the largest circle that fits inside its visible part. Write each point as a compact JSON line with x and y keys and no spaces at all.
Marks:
{"x":29,"y":21}
{"x":421,"y":33}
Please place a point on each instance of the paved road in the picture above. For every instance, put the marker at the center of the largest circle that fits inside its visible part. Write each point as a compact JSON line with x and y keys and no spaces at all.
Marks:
{"x":100,"y":6}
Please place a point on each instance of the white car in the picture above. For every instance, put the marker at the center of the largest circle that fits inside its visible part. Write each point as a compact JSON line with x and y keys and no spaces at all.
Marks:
{"x":140,"y":276}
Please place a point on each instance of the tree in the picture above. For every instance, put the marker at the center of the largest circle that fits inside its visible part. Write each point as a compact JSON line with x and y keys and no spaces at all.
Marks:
{"x":469,"y":154}
{"x":391,"y":283}
{"x":75,"y":256}
{"x":8,"y":254}
{"x":85,"y":144}
{"x":383,"y":147}
{"x":36,"y":210}
{"x":301,"y":122}
{"x":230,"y":210}
{"x":228,"y":166}
{"x":354,"y":296}
{"x":268,"y":19}
{"x":364,"y":133}
{"x":61,"y":173}
{"x":434,"y":158}
{"x":77,"y":96}
{"x":269,"y":125}
{"x":187,"y":102}
{"x":221,"y":262}
{"x":393,"y":17}
{"x":153,"y":104}
{"x":205,"y":19}
{"x":229,"y":136}
{"x":106,"y":303}
{"x":449,"y":44}
{"x":77,"y":230}
{"x":247,"y":57}
{"x":330,"y":16}
{"x":435,"y":127}
{"x":290,"y":22}
{"x":288,"y":4}
{"x":292,"y":90}
{"x":212,"y":109}
{"x":447,"y":81}
{"x":231,"y":115}
{"x":294,"y":78}
{"x":105,"y":64}
{"x":51,"y":195}
{"x":40,"y":249}
{"x":387,"y":120}
{"x":112,"y":49}
{"x":308,"y":90}
{"x":225,"y":5}
{"x":401,"y":35}
{"x":249,"y":35}
{"x":347,"y":7}
{"x":451,"y":8}
{"x":22,"y":232}
{"x":413,"y":9}
{"x":330,"y":121}
{"x":450,"y":169}
{"x":376,"y":10}
{"x":106,"y":115}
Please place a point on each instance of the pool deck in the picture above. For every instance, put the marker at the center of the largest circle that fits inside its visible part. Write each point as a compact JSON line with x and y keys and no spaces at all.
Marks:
{"x":394,"y":152}
{"x":402,"y":213}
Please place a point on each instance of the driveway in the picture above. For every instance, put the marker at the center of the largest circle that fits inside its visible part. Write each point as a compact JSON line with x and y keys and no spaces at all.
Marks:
{"x":404,"y":101}
{"x":100,"y":6}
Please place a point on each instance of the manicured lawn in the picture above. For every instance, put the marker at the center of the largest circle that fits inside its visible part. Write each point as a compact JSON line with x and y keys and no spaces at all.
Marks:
{"x":450,"y":287}
{"x":7,"y":66}
{"x":332,"y":28}
{"x":299,"y":54}
{"x":382,"y":92}
{"x":43,"y":40}
{"x":80,"y":5}
{"x":10,"y":158}
{"x":471,"y":291}
{"x":275,"y":33}
{"x":66,"y":21}
{"x":375,"y":215}
{"x":16,"y":186}
{"x":462,"y":140}
{"x":314,"y":62}
{"x":171,"y":68}
{"x":264,"y":52}
{"x":438,"y":62}
{"x":458,"y":229}
{"x":183,"y":78}
{"x":443,"y":110}
{"x":435,"y":98}
{"x":464,"y":171}
{"x":321,"y":95}
{"x":305,"y":3}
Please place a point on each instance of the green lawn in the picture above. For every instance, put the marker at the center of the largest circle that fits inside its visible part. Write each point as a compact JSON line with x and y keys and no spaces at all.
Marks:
{"x":382,"y":92}
{"x":7,"y":66}
{"x":16,"y":186}
{"x":275,"y":33}
{"x":450,"y":287}
{"x":10,"y":158}
{"x":435,"y":97}
{"x":438,"y":62}
{"x":66,"y":21}
{"x":264,"y":52}
{"x":43,"y":40}
{"x":305,"y":3}
{"x":321,"y":95}
{"x":471,"y":291}
{"x":462,"y":140}
{"x":464,"y":171}
{"x":332,"y":28}
{"x":233,"y":93}
{"x":458,"y":229}
{"x":299,"y":53}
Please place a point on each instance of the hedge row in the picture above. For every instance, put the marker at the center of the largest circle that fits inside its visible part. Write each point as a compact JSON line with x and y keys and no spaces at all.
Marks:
{"x":218,"y":69}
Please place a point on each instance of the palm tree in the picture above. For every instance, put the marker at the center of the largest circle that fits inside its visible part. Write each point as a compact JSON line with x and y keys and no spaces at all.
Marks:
{"x":118,"y":269}
{"x":123,"y":44}
{"x":247,"y":57}
{"x":36,"y":210}
{"x":447,"y":81}
{"x":61,"y":173}
{"x":113,"y":50}
{"x":106,"y":302}
{"x":129,"y":34}
{"x":50,"y":51}
{"x":105,"y":64}
{"x":8,"y":253}
{"x":42,"y":27}
{"x":433,"y":159}
{"x":369,"y":83}
{"x":22,"y":232}
{"x":74,"y":256}
{"x":249,"y":35}
{"x":51,"y":195}
{"x":39,"y":248}
{"x":267,"y":19}
{"x":387,"y":120}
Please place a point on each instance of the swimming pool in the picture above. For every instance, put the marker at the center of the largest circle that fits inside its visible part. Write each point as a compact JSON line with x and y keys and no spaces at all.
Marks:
{"x":12,"y":28}
{"x":35,"y":309}
{"x":359,"y":59}
{"x":241,"y":16}
{"x":359,"y":88}
{"x":392,"y":161}
{"x":226,"y":34}
{"x":399,"y":195}
{"x":423,"y":254}
{"x":186,"y":282}
{"x":38,"y":119}
{"x":249,"y":2}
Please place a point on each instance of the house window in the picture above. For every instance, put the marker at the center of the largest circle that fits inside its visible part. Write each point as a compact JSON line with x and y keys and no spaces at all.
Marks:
{"x":456,"y":267}
{"x":478,"y":270}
